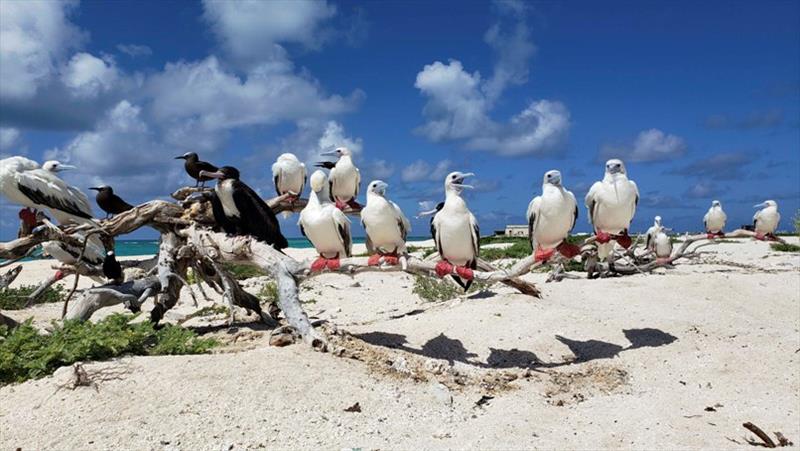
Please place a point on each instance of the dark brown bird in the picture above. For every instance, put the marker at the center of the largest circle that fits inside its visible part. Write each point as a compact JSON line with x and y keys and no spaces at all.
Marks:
{"x":193,"y":166}
{"x":110,"y":202}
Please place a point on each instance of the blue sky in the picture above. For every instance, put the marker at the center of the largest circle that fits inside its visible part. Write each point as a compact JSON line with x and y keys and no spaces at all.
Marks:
{"x":701,"y":99}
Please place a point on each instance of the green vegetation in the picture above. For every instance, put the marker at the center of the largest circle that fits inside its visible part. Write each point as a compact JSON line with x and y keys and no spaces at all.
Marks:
{"x":241,"y":272}
{"x":785,"y":247}
{"x":25,"y":353}
{"x":15,"y":298}
{"x":209,"y":310}
{"x":426,"y":251}
{"x":268,"y":293}
{"x":520,"y":249}
{"x":432,"y":290}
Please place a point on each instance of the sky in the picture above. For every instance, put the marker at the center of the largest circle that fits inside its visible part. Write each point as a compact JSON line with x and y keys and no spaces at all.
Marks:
{"x":700,"y":99}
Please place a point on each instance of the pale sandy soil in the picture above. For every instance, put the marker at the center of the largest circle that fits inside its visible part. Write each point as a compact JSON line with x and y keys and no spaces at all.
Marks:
{"x":629,"y":362}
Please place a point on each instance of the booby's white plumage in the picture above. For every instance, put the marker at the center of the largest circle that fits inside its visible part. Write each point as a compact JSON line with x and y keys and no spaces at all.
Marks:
{"x":23,"y":182}
{"x":766,"y":220}
{"x":326,"y":226}
{"x":650,"y":235}
{"x":454,"y":227}
{"x":552,"y":215}
{"x":345,"y":177}
{"x":611,"y":203}
{"x":658,"y":241}
{"x":715,"y":218}
{"x":385,"y":224}
{"x":289,"y":175}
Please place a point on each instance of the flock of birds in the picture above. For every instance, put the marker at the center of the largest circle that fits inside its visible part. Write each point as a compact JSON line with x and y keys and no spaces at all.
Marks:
{"x":238,"y":210}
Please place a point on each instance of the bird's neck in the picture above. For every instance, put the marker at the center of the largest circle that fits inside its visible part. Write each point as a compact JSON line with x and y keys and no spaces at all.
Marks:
{"x":613,"y":178}
{"x":453,"y":199}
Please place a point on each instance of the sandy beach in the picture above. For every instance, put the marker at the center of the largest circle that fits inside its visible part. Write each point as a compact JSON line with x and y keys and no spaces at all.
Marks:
{"x":675,"y":359}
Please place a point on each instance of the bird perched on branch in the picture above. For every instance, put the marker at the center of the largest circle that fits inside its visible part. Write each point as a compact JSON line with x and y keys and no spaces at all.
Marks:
{"x":240,"y":211}
{"x":289,"y":175}
{"x":657,"y":241}
{"x":456,"y":233}
{"x":714,"y":220}
{"x":766,"y":220}
{"x":194,"y":166}
{"x":112,"y":269}
{"x":551,"y":217}
{"x":344,"y":178}
{"x":611,"y":204}
{"x":324,"y":225}
{"x":110,"y":202}
{"x":385,"y":224}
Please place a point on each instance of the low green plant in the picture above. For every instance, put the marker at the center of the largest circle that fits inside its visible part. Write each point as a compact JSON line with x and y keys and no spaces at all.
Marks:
{"x":785,"y":247}
{"x":520,"y":249}
{"x":241,"y":272}
{"x":16,"y":298}
{"x":209,"y":310}
{"x":26,"y":353}
{"x":426,"y":251}
{"x":268,"y":293}
{"x":433,"y":290}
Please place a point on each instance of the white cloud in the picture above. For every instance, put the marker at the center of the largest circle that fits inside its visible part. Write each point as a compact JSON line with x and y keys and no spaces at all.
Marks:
{"x":34,"y":39}
{"x":421,"y":170}
{"x":9,"y":137}
{"x":252,"y":29}
{"x":87,"y":76}
{"x":378,"y":169}
{"x":649,"y":146}
{"x":135,"y":50}
{"x":459,"y":103}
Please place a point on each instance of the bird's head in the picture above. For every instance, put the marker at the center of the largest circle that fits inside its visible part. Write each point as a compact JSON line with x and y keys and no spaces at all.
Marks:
{"x":715,"y":203}
{"x":766,"y":203}
{"x":287,"y":157}
{"x":339,"y":152}
{"x":110,"y":253}
{"x":455,"y":181}
{"x":657,"y":221}
{"x":615,"y":166}
{"x":318,"y":181}
{"x":223,"y":173}
{"x":552,"y":177}
{"x":56,"y":166}
{"x":377,"y":187}
{"x":187,"y":156}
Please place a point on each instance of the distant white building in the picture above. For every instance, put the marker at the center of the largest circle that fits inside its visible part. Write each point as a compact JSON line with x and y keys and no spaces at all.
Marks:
{"x":516,"y":230}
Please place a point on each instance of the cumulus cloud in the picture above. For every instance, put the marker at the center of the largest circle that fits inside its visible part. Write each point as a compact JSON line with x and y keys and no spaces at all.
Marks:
{"x":649,"y":146}
{"x":421,"y":170}
{"x":34,"y":39}
{"x":252,"y":29}
{"x":701,"y":190}
{"x":88,"y":76}
{"x":9,"y":137}
{"x":459,"y":103}
{"x":135,"y":50}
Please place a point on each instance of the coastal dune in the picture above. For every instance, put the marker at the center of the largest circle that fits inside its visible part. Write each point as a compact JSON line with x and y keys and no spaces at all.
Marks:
{"x":679,"y":358}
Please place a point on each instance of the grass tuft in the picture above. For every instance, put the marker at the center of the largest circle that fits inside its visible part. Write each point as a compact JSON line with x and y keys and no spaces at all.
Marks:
{"x":785,"y":247}
{"x":433,"y":290}
{"x":15,"y":298}
{"x":241,"y":272}
{"x":520,"y":249}
{"x":268,"y":293}
{"x":25,"y":353}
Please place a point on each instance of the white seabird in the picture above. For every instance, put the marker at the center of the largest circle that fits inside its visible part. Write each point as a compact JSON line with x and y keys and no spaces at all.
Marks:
{"x":658,"y":242}
{"x":551,"y":217}
{"x":456,"y":233}
{"x":344,"y":179}
{"x":611,"y":204}
{"x":289,"y":175}
{"x":385,"y":224}
{"x":326,"y":226}
{"x":714,"y":220}
{"x":766,"y":220}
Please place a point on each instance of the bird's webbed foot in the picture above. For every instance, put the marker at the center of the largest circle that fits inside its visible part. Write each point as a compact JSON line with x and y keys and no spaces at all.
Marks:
{"x":444,"y":268}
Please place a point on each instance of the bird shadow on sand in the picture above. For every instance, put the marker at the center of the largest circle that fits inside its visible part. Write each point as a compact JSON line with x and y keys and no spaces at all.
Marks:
{"x":452,"y":350}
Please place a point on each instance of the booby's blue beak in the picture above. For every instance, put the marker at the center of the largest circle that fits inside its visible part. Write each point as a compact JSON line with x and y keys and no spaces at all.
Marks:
{"x":66,"y":167}
{"x":330,"y":153}
{"x":761,"y":205}
{"x":460,"y":180}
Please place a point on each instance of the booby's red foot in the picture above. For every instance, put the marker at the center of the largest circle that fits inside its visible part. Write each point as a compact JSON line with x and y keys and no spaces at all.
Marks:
{"x":602,"y":237}
{"x":28,"y":216}
{"x":333,"y":263}
{"x":60,"y":275}
{"x":542,"y":255}
{"x":771,"y":237}
{"x":319,"y":264}
{"x":568,"y":250}
{"x":711,"y":236}
{"x":391,"y":260}
{"x":340,"y":205}
{"x":374,"y":260}
{"x":717,"y":234}
{"x":624,"y":240}
{"x":443,"y":268}
{"x":464,"y":272}
{"x":760,"y":236}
